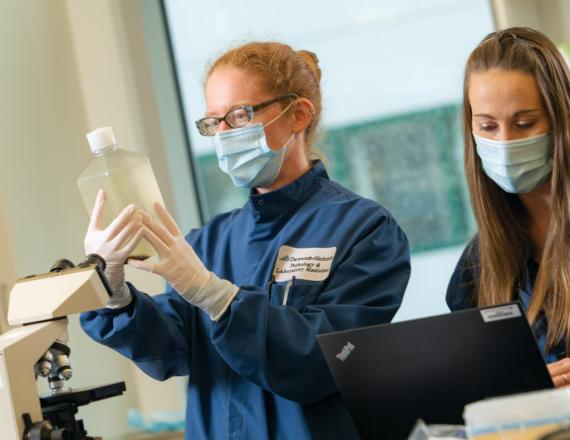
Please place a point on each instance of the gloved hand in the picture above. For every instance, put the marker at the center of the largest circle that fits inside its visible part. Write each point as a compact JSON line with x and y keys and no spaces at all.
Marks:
{"x":114,"y":244}
{"x":181,"y":268}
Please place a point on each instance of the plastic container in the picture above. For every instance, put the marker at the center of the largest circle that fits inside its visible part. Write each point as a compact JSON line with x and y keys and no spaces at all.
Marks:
{"x":125,"y":176}
{"x":527,"y":416}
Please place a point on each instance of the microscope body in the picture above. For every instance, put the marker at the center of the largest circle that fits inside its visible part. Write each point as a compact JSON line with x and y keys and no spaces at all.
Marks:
{"x":39,"y":306}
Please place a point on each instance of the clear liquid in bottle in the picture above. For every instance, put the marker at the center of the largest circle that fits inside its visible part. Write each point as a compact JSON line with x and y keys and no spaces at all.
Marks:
{"x":125,"y":176}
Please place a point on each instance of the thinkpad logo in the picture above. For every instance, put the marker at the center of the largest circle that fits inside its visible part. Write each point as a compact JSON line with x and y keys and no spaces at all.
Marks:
{"x":343,"y":354}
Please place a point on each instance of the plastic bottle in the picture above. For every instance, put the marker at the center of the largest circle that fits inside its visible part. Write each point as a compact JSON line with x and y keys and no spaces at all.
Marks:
{"x":125,"y":176}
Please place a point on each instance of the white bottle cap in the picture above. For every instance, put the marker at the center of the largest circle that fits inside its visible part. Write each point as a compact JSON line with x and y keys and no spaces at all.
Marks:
{"x":101,"y":138}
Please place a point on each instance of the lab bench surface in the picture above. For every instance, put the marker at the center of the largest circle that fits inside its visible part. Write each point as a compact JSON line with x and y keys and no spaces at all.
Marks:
{"x":154,"y":436}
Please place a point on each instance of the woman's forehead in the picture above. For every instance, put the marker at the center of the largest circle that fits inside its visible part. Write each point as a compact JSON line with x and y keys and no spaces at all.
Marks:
{"x":505,"y":89}
{"x":228,"y":87}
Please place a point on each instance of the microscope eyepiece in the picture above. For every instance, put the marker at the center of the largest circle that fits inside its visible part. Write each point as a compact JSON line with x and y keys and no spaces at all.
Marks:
{"x":64,"y":263}
{"x":61,"y":264}
{"x":94,"y":259}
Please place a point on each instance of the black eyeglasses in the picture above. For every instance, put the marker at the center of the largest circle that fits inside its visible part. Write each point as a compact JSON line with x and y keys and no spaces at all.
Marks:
{"x":237,"y":117}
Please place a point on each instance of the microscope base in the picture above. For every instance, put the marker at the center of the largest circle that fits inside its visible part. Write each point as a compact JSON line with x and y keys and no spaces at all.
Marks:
{"x":60,"y":409}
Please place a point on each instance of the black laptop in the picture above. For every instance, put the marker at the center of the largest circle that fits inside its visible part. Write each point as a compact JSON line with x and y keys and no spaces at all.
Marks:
{"x":390,"y":375}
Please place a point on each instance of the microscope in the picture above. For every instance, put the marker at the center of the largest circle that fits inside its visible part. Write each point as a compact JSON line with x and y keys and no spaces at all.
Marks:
{"x":37,"y":347}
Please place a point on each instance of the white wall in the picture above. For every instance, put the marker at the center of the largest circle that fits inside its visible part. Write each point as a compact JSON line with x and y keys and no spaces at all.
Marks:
{"x":7,"y":275}
{"x":43,"y":149}
{"x":551,"y":17}
{"x":425,"y":295}
{"x":67,"y":66}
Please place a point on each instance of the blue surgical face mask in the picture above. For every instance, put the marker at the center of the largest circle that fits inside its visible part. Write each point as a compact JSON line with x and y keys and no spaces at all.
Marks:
{"x":517,"y":166}
{"x":244,"y":155}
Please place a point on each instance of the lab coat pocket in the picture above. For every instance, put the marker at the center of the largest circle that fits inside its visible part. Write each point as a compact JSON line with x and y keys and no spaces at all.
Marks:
{"x":295,"y":293}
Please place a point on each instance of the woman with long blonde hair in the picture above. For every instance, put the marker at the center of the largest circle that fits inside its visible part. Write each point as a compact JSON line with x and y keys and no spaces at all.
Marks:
{"x":516,"y":121}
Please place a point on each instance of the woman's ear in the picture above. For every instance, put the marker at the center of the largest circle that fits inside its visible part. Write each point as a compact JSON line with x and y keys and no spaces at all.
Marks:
{"x":303,"y":114}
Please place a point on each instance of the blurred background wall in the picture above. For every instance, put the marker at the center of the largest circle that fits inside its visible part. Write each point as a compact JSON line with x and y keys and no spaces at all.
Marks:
{"x":66,"y":68}
{"x":392,"y":74}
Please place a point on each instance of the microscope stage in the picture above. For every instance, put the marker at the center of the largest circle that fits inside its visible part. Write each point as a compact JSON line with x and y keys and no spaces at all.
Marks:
{"x":83,"y":396}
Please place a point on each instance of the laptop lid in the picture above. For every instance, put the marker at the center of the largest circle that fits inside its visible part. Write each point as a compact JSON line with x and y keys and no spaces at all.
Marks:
{"x":390,"y":375}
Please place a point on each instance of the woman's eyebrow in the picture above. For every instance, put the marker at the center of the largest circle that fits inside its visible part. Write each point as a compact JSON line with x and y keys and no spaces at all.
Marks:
{"x":233,"y":107}
{"x":530,"y":110}
{"x":518,"y":113}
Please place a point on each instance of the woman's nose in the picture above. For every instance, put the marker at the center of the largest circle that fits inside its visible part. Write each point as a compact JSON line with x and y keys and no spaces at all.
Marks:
{"x":506,"y":134}
{"x":224,"y":126}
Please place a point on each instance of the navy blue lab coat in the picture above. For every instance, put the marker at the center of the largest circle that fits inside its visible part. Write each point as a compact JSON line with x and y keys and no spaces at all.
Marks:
{"x":258,"y":372}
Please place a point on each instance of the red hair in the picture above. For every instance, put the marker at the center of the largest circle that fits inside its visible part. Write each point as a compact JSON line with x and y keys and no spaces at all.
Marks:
{"x":281,"y":71}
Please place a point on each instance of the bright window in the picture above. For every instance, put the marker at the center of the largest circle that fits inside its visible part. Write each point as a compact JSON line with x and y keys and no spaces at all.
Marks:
{"x":392,"y":88}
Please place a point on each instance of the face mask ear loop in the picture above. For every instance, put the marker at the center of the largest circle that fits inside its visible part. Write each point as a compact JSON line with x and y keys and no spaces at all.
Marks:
{"x":279,"y":115}
{"x":288,"y":142}
{"x":286,"y":145}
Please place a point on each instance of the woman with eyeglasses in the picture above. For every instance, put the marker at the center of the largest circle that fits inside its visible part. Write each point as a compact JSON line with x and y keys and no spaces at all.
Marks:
{"x":517,"y":161}
{"x":252,"y":289}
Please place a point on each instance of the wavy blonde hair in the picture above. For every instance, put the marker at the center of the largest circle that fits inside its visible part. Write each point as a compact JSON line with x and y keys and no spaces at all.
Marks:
{"x":504,"y":239}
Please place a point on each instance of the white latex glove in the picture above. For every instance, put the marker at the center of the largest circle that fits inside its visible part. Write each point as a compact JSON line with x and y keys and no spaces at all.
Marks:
{"x":114,"y":244}
{"x":182,"y":269}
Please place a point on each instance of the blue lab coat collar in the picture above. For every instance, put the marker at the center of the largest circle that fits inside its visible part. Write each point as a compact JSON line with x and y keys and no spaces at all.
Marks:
{"x":271,"y":205}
